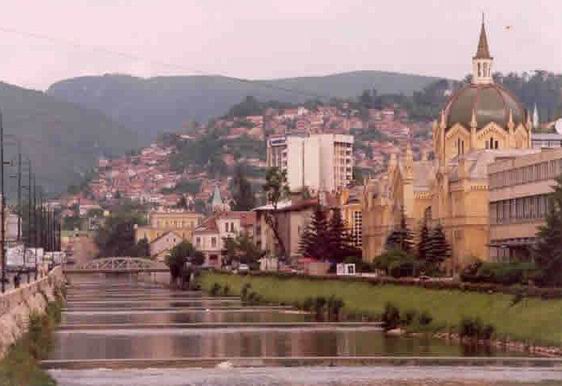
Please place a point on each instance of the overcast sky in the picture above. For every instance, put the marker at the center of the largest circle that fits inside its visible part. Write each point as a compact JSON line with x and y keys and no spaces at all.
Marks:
{"x":270,"y":38}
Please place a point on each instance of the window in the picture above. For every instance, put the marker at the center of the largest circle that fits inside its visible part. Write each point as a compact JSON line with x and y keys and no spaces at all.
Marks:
{"x":213,"y":242}
{"x":198,"y":241}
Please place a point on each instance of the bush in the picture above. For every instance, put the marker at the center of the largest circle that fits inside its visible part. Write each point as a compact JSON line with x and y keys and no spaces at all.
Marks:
{"x":500,"y":273}
{"x":474,"y":329}
{"x":215,"y":289}
{"x":244,"y":291}
{"x":425,"y":318}
{"x":319,"y":304}
{"x":397,"y":263}
{"x":334,"y":307}
{"x":225,"y":290}
{"x":390,"y":316}
{"x":408,"y":317}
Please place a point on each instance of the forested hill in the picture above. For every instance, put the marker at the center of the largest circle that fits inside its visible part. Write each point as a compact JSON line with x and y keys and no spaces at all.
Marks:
{"x":155,"y":105}
{"x":62,"y":139}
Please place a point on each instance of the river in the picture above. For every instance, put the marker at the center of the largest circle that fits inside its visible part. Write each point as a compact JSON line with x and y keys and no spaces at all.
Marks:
{"x":118,"y":331}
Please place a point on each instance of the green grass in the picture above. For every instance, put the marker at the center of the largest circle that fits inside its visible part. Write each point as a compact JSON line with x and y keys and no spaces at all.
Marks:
{"x":531,"y":320}
{"x":20,"y":367}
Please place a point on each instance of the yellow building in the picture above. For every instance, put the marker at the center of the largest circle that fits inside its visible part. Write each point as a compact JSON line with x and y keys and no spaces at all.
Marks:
{"x":182,"y":223}
{"x":480,"y":123}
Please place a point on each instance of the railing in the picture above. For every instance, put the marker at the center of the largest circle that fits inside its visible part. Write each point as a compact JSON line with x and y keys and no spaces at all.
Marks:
{"x":117,"y":264}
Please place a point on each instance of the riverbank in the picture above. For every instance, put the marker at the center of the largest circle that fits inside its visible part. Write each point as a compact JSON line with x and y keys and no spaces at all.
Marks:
{"x":529,"y":321}
{"x":20,"y":366}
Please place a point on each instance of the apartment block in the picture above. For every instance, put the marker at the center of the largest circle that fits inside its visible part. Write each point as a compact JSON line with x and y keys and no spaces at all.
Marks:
{"x":518,"y":201}
{"x":319,"y":162}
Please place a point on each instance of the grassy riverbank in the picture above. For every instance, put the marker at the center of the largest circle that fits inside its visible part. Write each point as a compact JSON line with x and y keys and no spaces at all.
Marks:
{"x":530,"y":320}
{"x":21,"y":365}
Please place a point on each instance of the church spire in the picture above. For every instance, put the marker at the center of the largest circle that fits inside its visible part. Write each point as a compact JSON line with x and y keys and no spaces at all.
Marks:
{"x":483,"y":52}
{"x":482,"y":61}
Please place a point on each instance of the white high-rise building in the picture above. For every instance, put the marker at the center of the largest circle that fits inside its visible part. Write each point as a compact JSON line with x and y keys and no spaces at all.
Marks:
{"x":319,"y":162}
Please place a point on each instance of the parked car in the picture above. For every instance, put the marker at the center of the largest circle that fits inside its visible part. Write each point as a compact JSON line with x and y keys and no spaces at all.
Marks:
{"x":243,"y":268}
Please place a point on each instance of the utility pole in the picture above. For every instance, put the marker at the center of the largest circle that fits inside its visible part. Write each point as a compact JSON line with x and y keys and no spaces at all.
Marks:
{"x":2,"y":205}
{"x":35,"y":223}
{"x":19,"y":191}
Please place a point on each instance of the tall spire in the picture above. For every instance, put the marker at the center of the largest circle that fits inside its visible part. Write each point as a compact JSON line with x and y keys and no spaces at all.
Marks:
{"x":536,"y":121}
{"x":483,"y":52}
{"x":482,"y":61}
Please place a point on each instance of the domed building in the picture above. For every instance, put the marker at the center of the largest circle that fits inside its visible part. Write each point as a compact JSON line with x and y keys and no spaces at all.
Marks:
{"x":481,"y":122}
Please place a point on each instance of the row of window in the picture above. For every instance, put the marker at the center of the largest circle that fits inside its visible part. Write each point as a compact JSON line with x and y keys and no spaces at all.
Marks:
{"x":213,"y":242}
{"x":175,"y":223}
{"x":540,"y":171}
{"x":519,"y":209}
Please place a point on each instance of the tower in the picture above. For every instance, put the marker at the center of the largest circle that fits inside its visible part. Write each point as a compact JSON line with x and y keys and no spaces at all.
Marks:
{"x":536,"y":121}
{"x":482,"y":61}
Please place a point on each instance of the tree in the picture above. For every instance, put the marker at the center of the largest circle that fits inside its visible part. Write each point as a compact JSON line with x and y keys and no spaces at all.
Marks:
{"x":117,"y":236}
{"x":340,"y":240}
{"x":275,"y":189}
{"x":439,"y":249}
{"x":182,"y":203}
{"x":548,"y":249}
{"x":140,"y":249}
{"x":243,"y":196}
{"x":401,"y":237}
{"x":315,"y":240}
{"x":242,"y":250}
{"x":179,"y":255}
{"x":423,"y":243}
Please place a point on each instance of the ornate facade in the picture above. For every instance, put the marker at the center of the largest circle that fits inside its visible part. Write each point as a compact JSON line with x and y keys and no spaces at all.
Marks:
{"x":480,"y":123}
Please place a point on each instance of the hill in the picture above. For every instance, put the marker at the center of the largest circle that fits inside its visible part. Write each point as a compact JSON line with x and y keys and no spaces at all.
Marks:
{"x":160,"y":104}
{"x":62,"y":139}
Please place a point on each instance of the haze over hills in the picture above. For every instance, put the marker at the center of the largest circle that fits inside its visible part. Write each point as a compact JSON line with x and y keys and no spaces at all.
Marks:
{"x":62,"y":139}
{"x":155,"y":105}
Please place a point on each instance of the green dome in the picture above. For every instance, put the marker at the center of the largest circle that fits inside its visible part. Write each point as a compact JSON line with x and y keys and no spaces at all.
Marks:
{"x":490,"y":103}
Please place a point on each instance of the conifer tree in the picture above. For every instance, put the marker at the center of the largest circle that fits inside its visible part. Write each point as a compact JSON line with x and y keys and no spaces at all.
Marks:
{"x":423,"y":243}
{"x":243,"y":196}
{"x":439,"y":249}
{"x":548,"y":249}
{"x":340,"y":239}
{"x":315,"y":238}
{"x":401,"y":237}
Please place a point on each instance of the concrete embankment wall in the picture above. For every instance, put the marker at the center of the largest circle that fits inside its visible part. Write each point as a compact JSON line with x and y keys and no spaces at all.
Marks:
{"x":17,"y":305}
{"x":159,"y":278}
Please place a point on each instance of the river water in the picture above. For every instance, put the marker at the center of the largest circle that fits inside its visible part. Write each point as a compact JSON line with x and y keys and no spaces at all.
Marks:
{"x":117,"y":331}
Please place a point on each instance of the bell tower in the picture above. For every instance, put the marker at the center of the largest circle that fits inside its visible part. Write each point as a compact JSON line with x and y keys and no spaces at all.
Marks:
{"x":482,"y":61}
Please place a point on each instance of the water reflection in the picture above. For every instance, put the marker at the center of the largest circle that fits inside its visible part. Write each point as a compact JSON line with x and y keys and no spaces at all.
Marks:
{"x":169,"y":343}
{"x":225,"y":316}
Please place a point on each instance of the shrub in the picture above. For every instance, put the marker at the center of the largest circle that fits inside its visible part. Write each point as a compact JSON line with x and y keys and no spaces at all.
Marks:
{"x":425,"y":318}
{"x":308,"y":304}
{"x":396,"y":263}
{"x":319,"y":304}
{"x":408,"y":317}
{"x":225,"y":290}
{"x":500,"y":273}
{"x":244,"y":291}
{"x":334,"y":307}
{"x":390,"y":316}
{"x":473,"y":328}
{"x":487,"y":332}
{"x":215,"y":289}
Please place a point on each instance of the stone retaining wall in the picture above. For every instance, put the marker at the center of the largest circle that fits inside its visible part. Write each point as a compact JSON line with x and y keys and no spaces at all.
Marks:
{"x":16,"y":305}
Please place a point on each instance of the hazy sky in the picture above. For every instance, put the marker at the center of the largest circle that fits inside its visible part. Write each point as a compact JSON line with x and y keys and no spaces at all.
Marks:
{"x":270,"y":39}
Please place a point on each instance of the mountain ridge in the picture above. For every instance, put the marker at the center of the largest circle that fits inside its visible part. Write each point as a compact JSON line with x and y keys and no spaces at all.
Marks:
{"x":166,"y":103}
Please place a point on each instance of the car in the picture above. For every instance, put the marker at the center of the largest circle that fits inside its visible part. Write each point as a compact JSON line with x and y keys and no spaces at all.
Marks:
{"x":243,"y":268}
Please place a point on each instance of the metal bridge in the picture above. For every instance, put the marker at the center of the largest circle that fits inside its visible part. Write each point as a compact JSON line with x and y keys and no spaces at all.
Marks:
{"x":117,"y":265}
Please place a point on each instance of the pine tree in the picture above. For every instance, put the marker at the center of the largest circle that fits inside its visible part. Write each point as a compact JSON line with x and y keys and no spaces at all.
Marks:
{"x":439,"y":249}
{"x":340,"y":239}
{"x":315,"y":238}
{"x":423,"y":244}
{"x":548,"y":249}
{"x":401,"y":237}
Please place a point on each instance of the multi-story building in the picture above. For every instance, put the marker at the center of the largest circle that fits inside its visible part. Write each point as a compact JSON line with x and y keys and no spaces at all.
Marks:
{"x":210,"y":235}
{"x":546,"y":140}
{"x":317,"y":162}
{"x":181,"y":222}
{"x":518,"y":201}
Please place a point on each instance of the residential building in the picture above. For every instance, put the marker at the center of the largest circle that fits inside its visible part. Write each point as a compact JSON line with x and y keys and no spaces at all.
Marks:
{"x":546,"y":140}
{"x":352,"y":215}
{"x":481,"y":123}
{"x":209,"y":236}
{"x":518,"y":201}
{"x":161,"y":246}
{"x":160,"y":222}
{"x":317,"y":162}
{"x":293,"y":218}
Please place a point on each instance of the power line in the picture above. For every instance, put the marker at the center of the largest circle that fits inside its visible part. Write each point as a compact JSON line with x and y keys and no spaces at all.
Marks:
{"x":262,"y":83}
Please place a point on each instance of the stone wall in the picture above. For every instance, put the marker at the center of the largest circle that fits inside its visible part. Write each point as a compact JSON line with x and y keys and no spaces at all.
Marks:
{"x":17,"y":305}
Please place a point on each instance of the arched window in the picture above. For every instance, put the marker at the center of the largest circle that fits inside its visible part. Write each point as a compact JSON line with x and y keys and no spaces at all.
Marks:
{"x":485,"y":72}
{"x":479,"y":70}
{"x":491,"y":142}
